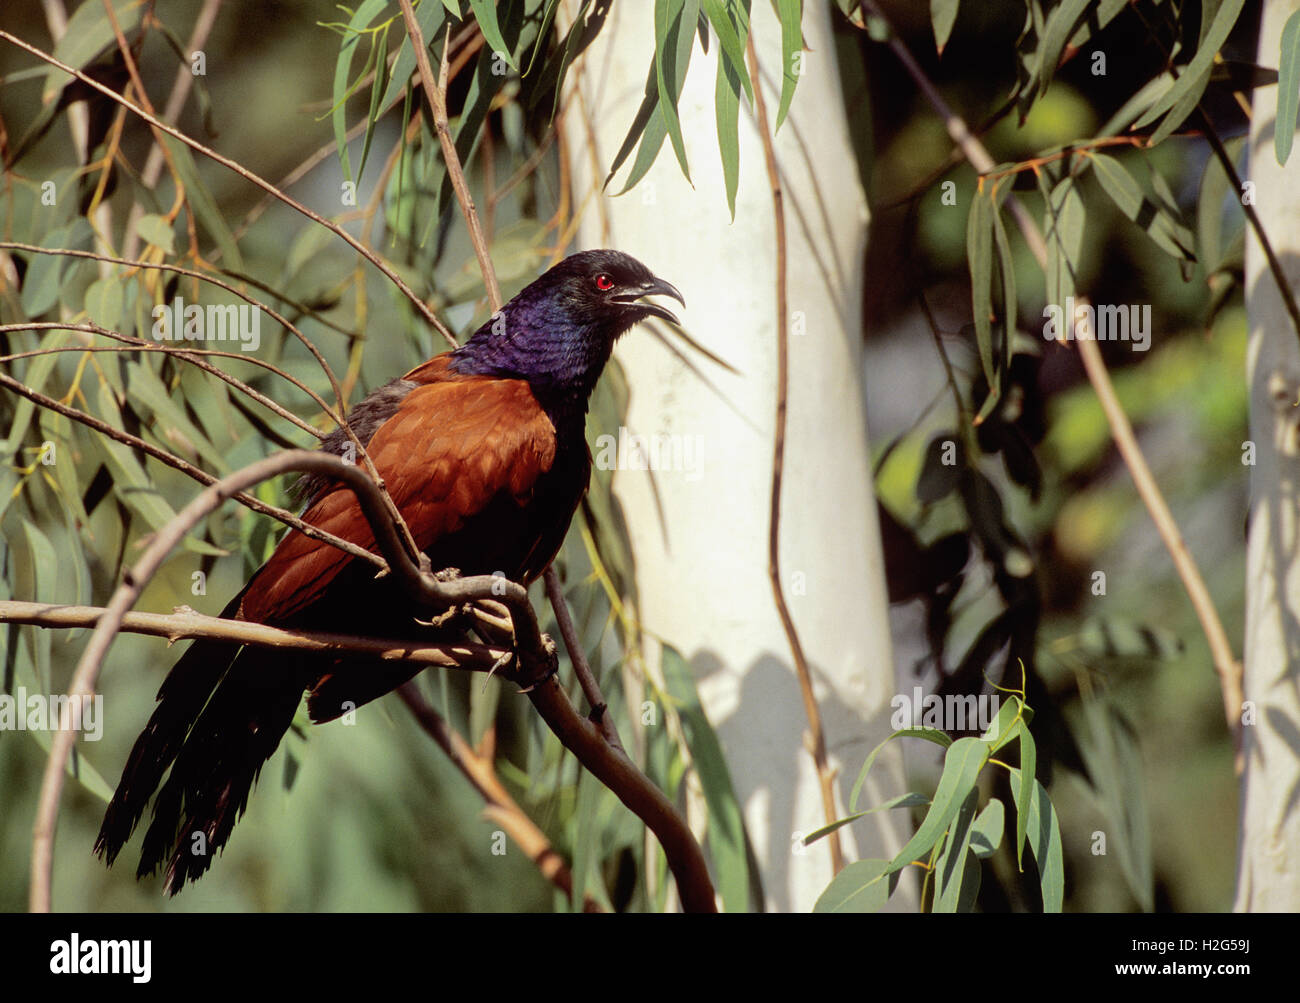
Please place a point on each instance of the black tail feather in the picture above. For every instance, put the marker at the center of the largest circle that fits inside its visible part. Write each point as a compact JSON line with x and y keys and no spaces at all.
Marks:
{"x":221,"y":714}
{"x":181,"y":700}
{"x":213,"y":775}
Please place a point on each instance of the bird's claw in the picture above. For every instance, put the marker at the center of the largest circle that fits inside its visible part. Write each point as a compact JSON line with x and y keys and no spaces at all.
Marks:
{"x":551,"y":663}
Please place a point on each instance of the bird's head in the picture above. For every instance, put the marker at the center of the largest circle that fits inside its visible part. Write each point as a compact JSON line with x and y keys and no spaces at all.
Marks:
{"x":558,"y":332}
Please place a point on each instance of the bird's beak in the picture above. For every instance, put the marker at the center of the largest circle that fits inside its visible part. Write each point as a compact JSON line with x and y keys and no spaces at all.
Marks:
{"x":655,"y":287}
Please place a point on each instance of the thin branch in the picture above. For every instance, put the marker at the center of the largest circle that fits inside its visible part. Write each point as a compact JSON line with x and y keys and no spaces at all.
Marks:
{"x":817,"y":736}
{"x":1225,"y":662}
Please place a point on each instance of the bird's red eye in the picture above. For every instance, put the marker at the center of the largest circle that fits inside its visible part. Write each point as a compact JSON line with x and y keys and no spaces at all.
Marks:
{"x":604,"y":283}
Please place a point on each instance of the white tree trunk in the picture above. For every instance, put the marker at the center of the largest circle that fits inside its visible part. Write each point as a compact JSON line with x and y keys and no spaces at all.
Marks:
{"x":701,"y":545}
{"x":1268,"y":869}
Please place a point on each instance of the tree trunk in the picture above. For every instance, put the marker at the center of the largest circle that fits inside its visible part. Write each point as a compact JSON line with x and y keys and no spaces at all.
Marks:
{"x":1268,"y":868}
{"x":700,"y":535}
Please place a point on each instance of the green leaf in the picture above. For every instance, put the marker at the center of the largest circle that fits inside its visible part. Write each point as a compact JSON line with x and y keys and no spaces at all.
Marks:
{"x":157,"y":231}
{"x":380,"y":62}
{"x":485,"y":13}
{"x":169,"y":417}
{"x":1063,"y":228}
{"x":858,"y":888}
{"x":730,"y":40}
{"x":342,"y":89}
{"x":950,"y":868}
{"x":791,"y":14}
{"x":1007,"y":268}
{"x":1113,"y":757}
{"x":674,"y":39}
{"x":979,"y":258}
{"x":87,"y":35}
{"x":1195,"y":73}
{"x":910,"y":800}
{"x":1004,"y":728}
{"x":938,"y":479}
{"x":1118,"y":637}
{"x":427,"y":15}
{"x":78,"y":767}
{"x":1044,"y":840}
{"x":961,"y":769}
{"x":1180,"y":112}
{"x":1140,"y":205}
{"x":1056,"y":33}
{"x":986,"y":833}
{"x":34,"y":376}
{"x":726,"y":101}
{"x":44,"y":278}
{"x":104,"y":301}
{"x":1028,"y":766}
{"x":1288,"y":89}
{"x":943,"y":15}
{"x":929,"y":734}
{"x":726,"y":827}
{"x":1210,"y":202}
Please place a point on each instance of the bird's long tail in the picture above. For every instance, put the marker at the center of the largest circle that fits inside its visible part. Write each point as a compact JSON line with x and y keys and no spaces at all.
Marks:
{"x":221,"y":714}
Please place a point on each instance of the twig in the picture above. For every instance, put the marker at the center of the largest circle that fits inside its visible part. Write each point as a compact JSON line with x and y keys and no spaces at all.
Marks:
{"x":186,"y":624}
{"x":817,"y":735}
{"x":578,"y":656}
{"x":437,"y":98}
{"x":1225,"y":662}
{"x":501,"y":808}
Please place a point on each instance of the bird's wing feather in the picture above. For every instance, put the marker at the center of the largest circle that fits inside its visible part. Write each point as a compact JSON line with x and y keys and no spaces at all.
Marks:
{"x":450,"y":448}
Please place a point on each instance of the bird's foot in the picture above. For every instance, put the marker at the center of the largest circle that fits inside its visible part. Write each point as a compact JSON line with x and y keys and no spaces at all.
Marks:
{"x":541,"y":670}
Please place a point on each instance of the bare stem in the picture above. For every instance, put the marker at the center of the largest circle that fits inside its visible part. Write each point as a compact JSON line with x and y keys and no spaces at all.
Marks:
{"x":817,"y":734}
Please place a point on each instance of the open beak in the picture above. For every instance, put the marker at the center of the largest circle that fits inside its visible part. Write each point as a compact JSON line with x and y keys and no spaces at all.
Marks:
{"x":655,"y":287}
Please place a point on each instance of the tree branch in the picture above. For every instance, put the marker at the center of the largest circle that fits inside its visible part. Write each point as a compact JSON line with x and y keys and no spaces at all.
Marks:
{"x":817,"y":735}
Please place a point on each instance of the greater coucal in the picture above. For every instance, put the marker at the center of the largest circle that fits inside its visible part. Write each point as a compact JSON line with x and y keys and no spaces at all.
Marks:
{"x":483,"y":452}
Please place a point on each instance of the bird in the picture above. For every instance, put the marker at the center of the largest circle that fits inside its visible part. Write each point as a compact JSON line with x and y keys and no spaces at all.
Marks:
{"x":483,"y":451}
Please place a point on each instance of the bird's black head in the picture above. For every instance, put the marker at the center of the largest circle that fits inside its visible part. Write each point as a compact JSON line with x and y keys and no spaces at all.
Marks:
{"x":558,"y":332}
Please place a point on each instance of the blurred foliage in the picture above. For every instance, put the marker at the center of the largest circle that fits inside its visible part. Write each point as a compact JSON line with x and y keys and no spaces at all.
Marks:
{"x":1006,"y":511}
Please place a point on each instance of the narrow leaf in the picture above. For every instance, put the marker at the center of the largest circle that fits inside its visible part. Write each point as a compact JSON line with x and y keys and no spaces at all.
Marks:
{"x":929,"y":734}
{"x":485,"y":13}
{"x":1288,"y":89}
{"x":860,"y":887}
{"x":1044,"y":840}
{"x":791,"y":15}
{"x":943,"y":14}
